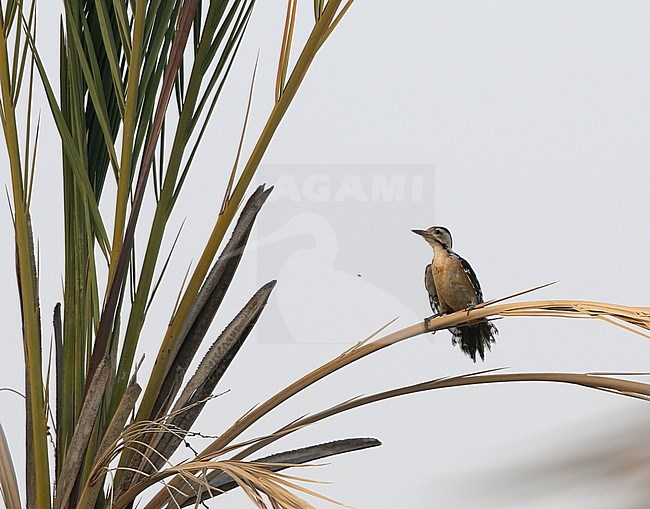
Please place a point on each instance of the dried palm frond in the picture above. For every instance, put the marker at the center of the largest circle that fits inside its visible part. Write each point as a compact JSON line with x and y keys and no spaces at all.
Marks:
{"x":260,"y":481}
{"x":633,"y":318}
{"x":220,"y":482}
{"x":72,"y":463}
{"x":628,"y":317}
{"x":619,"y":386}
{"x":206,"y":479}
{"x":107,"y":449}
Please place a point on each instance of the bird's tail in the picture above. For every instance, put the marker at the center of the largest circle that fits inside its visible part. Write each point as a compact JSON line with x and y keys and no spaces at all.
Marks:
{"x":475,"y":338}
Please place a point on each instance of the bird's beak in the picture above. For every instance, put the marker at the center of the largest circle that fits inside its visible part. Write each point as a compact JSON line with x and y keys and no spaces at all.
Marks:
{"x":422,"y":233}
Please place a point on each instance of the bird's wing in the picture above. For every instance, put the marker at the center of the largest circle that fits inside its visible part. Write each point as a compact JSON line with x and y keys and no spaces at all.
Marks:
{"x":471,"y":275}
{"x":431,"y":289}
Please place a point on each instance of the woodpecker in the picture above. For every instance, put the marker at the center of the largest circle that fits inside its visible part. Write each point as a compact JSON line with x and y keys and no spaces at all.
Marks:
{"x":453,"y":286}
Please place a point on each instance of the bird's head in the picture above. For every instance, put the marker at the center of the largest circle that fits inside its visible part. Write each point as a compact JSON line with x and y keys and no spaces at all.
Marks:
{"x":436,"y":235}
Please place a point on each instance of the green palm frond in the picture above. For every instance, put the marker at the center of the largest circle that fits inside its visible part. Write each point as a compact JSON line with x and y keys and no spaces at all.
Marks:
{"x":14,"y":55}
{"x":8,"y":479}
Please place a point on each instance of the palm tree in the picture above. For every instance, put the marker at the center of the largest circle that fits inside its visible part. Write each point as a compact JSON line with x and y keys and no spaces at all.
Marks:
{"x":138,"y":84}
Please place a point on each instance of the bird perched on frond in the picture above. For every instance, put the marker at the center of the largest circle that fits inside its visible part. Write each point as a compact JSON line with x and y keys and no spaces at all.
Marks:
{"x":453,"y":286}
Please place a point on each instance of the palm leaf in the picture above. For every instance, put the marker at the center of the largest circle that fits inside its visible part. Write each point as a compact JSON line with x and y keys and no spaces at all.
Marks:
{"x":222,"y":482}
{"x":169,"y":346}
{"x":199,"y":388}
{"x":8,"y":480}
{"x":37,"y":468}
{"x":213,"y":291}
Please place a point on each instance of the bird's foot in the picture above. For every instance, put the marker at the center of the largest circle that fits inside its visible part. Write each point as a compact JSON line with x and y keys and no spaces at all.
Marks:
{"x":470,"y":308}
{"x":427,"y":320}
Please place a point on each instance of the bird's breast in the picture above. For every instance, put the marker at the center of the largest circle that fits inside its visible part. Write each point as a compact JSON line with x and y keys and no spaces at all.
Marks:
{"x":452,"y":284}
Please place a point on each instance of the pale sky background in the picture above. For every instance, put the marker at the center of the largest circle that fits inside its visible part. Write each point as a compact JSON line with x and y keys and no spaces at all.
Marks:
{"x":529,"y":125}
